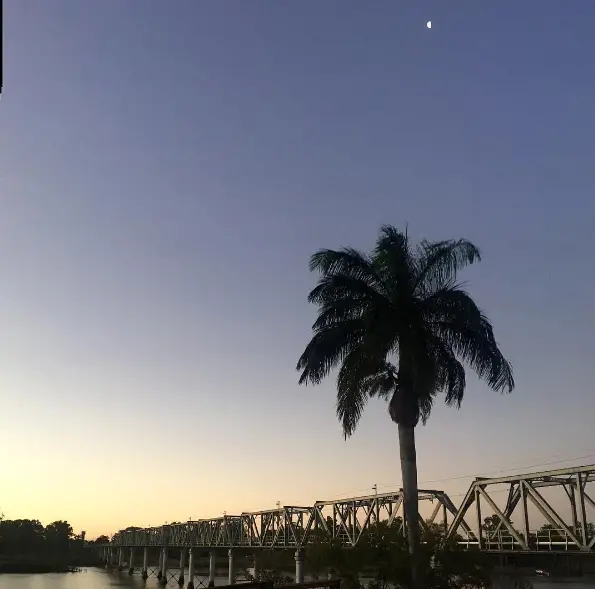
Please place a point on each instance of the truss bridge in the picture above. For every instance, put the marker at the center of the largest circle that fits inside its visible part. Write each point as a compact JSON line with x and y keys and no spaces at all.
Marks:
{"x":531,"y":513}
{"x":528,"y":520}
{"x":536,"y":512}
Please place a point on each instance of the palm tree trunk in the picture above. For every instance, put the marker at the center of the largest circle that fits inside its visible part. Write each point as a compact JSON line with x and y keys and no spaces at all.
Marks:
{"x":410,"y":497}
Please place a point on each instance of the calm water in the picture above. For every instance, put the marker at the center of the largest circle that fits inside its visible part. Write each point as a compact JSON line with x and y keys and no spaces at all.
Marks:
{"x":101,"y":579}
{"x":93,"y":579}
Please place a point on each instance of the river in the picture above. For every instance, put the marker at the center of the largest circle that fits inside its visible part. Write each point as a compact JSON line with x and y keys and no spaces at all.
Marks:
{"x":101,"y":579}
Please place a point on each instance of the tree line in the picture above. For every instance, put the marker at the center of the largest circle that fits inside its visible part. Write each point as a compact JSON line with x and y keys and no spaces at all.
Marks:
{"x":29,"y":538}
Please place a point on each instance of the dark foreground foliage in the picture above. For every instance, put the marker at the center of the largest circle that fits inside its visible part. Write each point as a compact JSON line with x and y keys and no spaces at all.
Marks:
{"x":381,"y":560}
{"x":382,"y":557}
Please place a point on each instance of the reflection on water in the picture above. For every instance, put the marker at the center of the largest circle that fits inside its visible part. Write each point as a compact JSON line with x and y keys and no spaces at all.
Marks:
{"x":101,"y":579}
{"x":92,"y":579}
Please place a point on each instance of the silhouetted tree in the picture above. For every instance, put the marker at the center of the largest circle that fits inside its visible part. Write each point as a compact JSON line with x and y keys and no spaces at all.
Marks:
{"x":58,"y":535}
{"x":399,"y":326}
{"x":24,"y":537}
{"x":21,"y":536}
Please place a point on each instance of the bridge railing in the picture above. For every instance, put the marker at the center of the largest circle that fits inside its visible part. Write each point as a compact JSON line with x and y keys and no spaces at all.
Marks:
{"x":549,"y":539}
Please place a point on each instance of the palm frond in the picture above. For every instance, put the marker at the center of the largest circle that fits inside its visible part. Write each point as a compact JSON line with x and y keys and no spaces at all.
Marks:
{"x":454,"y":382}
{"x":450,"y":373}
{"x":352,"y":396}
{"x":334,"y":312}
{"x":393,"y":259}
{"x":327,"y":348}
{"x":338,"y":287}
{"x":462,"y":325}
{"x":425,"y":405}
{"x":351,"y":403}
{"x":361,"y":377}
{"x":383,"y":383}
{"x":342,"y":299}
{"x":347,"y":262}
{"x":439,"y":262}
{"x":431,"y":368}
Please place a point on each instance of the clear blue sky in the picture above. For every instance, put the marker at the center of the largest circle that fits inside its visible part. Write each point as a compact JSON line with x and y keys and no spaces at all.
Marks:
{"x":167,"y":168}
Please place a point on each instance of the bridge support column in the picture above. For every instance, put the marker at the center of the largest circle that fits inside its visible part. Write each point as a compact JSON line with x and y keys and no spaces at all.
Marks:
{"x":231,"y":574}
{"x":299,"y":566}
{"x":212,"y":567}
{"x":182,"y":566}
{"x":479,"y":520}
{"x":131,"y":562}
{"x":190,"y":569}
{"x":164,"y":567}
{"x":145,"y":573}
{"x":160,"y":566}
{"x":255,"y":567}
{"x":120,"y":559}
{"x":445,"y":518}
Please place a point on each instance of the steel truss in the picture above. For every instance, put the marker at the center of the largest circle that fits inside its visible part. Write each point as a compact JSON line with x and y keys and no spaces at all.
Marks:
{"x":347,"y":520}
{"x":523,"y":492}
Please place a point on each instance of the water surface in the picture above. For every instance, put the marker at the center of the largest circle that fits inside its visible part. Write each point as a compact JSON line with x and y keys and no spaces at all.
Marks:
{"x":102,"y":579}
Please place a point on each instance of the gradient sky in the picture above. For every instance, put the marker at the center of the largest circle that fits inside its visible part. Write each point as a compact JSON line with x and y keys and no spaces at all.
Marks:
{"x":167,"y":168}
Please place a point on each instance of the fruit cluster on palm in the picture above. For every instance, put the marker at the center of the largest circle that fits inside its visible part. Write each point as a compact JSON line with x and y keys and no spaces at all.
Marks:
{"x":399,"y":326}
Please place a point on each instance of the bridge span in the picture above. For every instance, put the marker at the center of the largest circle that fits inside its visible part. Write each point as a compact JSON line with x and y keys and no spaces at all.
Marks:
{"x":558,"y":498}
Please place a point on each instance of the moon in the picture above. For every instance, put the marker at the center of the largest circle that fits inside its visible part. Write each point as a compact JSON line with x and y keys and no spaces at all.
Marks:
{"x":429,"y":24}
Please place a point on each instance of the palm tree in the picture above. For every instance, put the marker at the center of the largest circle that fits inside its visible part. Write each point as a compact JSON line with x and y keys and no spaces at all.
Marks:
{"x":399,"y":327}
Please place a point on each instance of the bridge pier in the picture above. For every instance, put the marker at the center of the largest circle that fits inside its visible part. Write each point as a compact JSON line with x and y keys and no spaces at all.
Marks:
{"x":255,"y":567}
{"x":231,"y":574}
{"x":212,"y":567}
{"x":131,"y":562}
{"x":160,"y":566}
{"x":299,"y":566}
{"x":190,"y":569}
{"x":120,"y":559}
{"x":164,"y":567}
{"x":182,"y":565}
{"x":145,"y":573}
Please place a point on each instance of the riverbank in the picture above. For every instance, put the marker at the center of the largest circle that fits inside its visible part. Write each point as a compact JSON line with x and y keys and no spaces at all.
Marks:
{"x":38,"y":566}
{"x":31,"y":568}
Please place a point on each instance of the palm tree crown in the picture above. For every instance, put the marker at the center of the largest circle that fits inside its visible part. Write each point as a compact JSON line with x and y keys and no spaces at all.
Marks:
{"x":400,"y":327}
